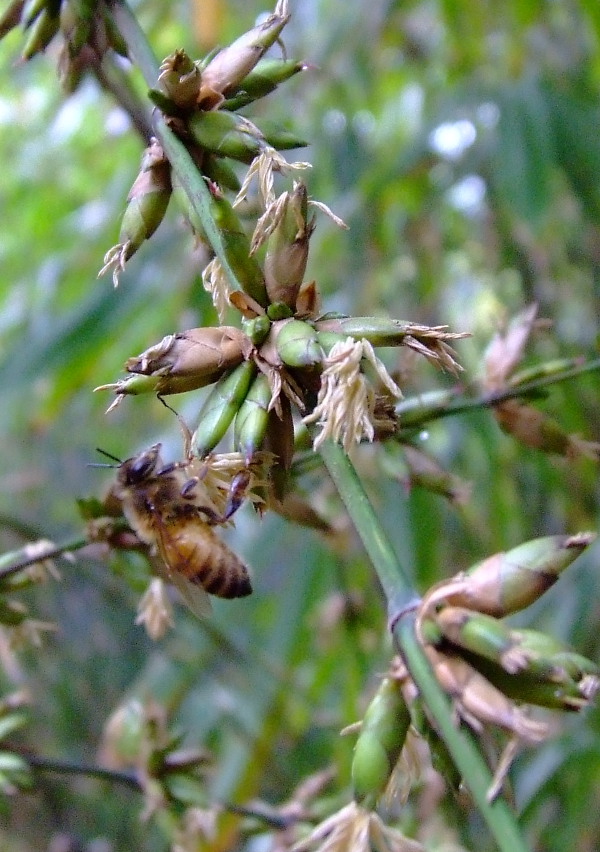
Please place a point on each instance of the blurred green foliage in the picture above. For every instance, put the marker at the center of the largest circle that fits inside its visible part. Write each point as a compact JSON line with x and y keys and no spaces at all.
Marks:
{"x":461,"y":143}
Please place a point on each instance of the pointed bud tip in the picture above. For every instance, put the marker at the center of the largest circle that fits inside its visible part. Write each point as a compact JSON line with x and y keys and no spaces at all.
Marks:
{"x":581,"y":539}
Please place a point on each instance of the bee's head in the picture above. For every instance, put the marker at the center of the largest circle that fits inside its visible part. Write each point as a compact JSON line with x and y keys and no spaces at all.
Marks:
{"x":139,"y":468}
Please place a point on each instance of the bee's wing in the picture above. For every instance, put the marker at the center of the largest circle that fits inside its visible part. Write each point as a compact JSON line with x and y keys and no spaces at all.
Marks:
{"x":192,"y":594}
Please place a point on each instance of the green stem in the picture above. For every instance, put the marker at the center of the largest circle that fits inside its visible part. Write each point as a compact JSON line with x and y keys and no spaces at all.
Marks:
{"x":191,"y":179}
{"x":12,"y":563}
{"x":65,"y":767}
{"x":489,"y":400}
{"x":262,"y":813}
{"x":401,"y":600}
{"x":396,"y":582}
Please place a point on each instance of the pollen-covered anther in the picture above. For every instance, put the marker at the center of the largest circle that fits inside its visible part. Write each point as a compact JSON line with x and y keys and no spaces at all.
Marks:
{"x":216,"y":282}
{"x":432,"y":345}
{"x":155,"y":610}
{"x":263,"y":167}
{"x":346,"y":400}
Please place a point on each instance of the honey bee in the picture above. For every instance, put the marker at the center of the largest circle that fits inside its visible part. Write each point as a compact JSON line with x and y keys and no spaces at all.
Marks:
{"x":160,"y":504}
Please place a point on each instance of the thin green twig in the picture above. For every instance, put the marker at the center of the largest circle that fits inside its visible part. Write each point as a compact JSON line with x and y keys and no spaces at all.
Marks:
{"x":261,"y":812}
{"x":401,"y":599}
{"x":12,"y":563}
{"x":464,"y":405}
{"x":67,"y":767}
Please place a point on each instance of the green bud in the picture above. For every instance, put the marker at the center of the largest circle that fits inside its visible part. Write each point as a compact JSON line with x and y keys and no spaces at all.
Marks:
{"x":279,"y":311}
{"x":252,"y":418}
{"x":557,"y":693}
{"x":220,"y":408}
{"x":559,"y":655}
{"x":476,"y":632}
{"x":146,"y":206}
{"x":162,"y":385}
{"x":228,"y":68}
{"x":43,"y":29}
{"x":279,"y":137}
{"x":226,"y":134}
{"x":263,"y":80}
{"x":371,"y":769}
{"x":495,"y":641}
{"x":380,"y":742}
{"x":237,"y":247}
{"x":296,"y":343}
{"x":220,"y":172}
{"x":287,"y":248}
{"x":379,"y":331}
{"x":257,"y":328}
{"x":507,"y":582}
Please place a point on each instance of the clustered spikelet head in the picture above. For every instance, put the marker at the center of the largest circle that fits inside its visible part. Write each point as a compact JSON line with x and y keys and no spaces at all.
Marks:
{"x":493,"y":673}
{"x":288,"y":365}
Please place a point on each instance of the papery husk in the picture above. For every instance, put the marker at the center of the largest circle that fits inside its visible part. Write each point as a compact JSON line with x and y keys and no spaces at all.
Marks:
{"x":480,"y":703}
{"x":509,"y":581}
{"x":203,"y":353}
{"x":221,"y":407}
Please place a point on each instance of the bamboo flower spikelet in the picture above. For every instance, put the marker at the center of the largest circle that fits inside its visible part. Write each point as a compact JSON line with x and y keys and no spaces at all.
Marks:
{"x":287,"y":363}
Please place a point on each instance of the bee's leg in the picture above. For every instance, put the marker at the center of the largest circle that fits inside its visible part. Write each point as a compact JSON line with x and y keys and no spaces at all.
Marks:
{"x":187,"y":489}
{"x":237,"y":493}
{"x":185,"y":429}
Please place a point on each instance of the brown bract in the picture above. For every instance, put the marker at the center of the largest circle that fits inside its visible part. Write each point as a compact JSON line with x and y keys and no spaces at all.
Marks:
{"x":201,"y":352}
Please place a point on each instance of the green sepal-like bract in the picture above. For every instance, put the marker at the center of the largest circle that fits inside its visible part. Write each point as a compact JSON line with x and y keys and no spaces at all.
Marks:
{"x":252,"y":418}
{"x":220,"y":408}
{"x":380,"y":742}
{"x":297,"y":345}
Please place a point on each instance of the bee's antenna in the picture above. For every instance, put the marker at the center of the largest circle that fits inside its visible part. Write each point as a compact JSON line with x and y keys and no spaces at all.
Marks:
{"x":108,"y":456}
{"x":166,"y":405}
{"x":187,"y":434}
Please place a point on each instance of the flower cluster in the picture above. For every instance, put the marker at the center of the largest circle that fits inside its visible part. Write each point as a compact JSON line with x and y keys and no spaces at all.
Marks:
{"x":87,"y":30}
{"x":287,"y":367}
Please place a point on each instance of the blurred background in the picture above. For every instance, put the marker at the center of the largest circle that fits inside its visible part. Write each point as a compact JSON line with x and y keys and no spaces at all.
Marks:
{"x":460,"y":141}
